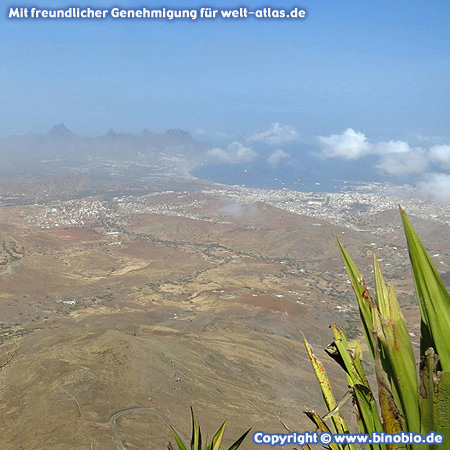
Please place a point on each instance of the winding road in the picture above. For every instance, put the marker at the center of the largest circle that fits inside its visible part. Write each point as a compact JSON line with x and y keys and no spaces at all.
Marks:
{"x":122,"y":412}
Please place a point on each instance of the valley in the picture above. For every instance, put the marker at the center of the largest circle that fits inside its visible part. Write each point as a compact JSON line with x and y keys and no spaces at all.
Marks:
{"x":163,"y":300}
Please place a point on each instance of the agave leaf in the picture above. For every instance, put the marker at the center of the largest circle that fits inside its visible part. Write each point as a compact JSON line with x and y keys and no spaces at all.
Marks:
{"x":217,"y":438}
{"x":405,"y":404}
{"x":393,"y":420}
{"x":238,"y":443}
{"x":442,"y":412}
{"x":349,"y":356}
{"x":179,"y":441}
{"x":363,"y":296}
{"x":196,"y":438}
{"x":367,"y":413}
{"x":427,"y":392}
{"x":434,"y":300}
{"x":339,"y":424}
{"x":322,"y":426}
{"x":322,"y":377}
{"x":434,"y":397}
{"x":397,"y":352}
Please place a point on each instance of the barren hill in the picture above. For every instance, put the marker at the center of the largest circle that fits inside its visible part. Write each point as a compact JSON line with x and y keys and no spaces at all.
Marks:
{"x":188,"y":301}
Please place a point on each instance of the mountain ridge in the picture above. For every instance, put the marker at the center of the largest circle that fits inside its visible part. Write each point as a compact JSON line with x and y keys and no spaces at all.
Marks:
{"x":61,"y":142}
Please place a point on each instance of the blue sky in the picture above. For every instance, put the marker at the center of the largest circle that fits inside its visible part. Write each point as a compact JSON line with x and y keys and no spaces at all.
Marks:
{"x":361,"y":84}
{"x":380,"y":67}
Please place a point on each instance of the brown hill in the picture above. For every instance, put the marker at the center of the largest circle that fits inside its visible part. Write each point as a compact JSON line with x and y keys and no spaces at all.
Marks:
{"x":172,"y":311}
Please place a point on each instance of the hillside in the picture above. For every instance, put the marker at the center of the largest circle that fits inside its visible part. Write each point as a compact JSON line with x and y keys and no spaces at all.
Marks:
{"x":168,"y":300}
{"x":32,"y":152}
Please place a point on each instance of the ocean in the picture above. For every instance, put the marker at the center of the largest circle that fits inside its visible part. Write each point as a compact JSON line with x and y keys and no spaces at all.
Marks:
{"x":262,"y":176}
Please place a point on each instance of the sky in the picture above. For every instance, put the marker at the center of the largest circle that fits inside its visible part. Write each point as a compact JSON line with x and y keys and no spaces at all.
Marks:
{"x":378,"y":68}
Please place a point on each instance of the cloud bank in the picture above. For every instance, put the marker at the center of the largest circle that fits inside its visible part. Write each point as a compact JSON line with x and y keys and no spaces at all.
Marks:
{"x":441,"y":155}
{"x":395,"y":158}
{"x":276,"y":157}
{"x":348,"y":145}
{"x":277,"y":134}
{"x":234,"y":153}
{"x":403,"y":164}
{"x":436,"y":186}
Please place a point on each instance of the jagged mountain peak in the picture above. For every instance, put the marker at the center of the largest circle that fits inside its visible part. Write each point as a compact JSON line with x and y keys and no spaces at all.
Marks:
{"x":178,"y":132}
{"x":111,"y":133}
{"x":60,"y":131}
{"x":147,"y":132}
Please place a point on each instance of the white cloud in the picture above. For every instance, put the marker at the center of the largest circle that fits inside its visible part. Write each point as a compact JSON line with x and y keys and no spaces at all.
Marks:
{"x":404,"y":163}
{"x":234,"y":153}
{"x":353,"y":144}
{"x":277,"y":134}
{"x":348,"y":145}
{"x":436,"y":186}
{"x":395,"y":158}
{"x":398,"y":158}
{"x":238,"y":210}
{"x":441,"y":155}
{"x":276,"y":157}
{"x":383,"y":148}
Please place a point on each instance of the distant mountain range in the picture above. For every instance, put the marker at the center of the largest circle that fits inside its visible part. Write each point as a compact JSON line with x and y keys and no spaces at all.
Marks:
{"x":62,"y":143}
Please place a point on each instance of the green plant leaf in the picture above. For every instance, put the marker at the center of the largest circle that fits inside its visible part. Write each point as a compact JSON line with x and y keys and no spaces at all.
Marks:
{"x":349,"y":356}
{"x":322,"y":426}
{"x":434,"y":300}
{"x":405,"y":403}
{"x":196,"y":438}
{"x":397,"y":353}
{"x":217,"y":438}
{"x":238,"y":443}
{"x":434,"y":397}
{"x":339,"y":424}
{"x":363,"y":296}
{"x":179,"y":441}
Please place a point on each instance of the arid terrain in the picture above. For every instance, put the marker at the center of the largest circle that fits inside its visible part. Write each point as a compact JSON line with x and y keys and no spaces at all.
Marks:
{"x":169,"y":299}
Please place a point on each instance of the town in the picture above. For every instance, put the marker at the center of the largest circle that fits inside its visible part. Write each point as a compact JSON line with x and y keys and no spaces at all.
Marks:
{"x":337,"y":208}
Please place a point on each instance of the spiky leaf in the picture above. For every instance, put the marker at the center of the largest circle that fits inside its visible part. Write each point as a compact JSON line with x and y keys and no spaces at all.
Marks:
{"x":397,"y":353}
{"x":217,"y":438}
{"x":363,"y":296}
{"x":434,"y":300}
{"x":349,"y":356}
{"x":179,"y":441}
{"x":238,"y":443}
{"x":339,"y":424}
{"x":322,"y":426}
{"x":196,"y":438}
{"x":434,"y":397}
